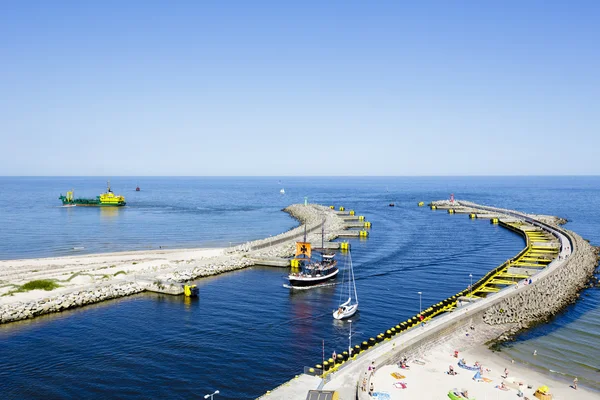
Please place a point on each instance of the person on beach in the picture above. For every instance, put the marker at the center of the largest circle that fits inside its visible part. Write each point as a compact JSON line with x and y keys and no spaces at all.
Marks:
{"x":575,"y":383}
{"x":371,"y":389}
{"x":506,"y":372}
{"x":372,"y":368}
{"x":364,"y":383}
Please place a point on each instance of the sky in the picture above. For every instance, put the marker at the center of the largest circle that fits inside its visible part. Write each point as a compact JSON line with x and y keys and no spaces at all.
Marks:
{"x":210,"y":88}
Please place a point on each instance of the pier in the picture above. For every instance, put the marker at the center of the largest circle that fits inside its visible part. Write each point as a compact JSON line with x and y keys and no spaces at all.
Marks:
{"x":554,"y":261}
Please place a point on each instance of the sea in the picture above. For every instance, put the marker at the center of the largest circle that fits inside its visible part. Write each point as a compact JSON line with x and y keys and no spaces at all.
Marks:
{"x":247,"y":333}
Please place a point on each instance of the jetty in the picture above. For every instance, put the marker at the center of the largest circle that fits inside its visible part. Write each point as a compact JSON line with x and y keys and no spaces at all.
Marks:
{"x":76,"y":281}
{"x":530,"y":287}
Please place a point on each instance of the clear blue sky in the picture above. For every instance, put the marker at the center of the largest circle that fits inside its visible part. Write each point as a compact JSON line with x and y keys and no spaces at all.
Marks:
{"x":273,"y":88}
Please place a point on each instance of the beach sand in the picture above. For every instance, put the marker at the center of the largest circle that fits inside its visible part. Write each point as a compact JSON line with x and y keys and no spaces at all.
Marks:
{"x":430,"y":381}
{"x":79,"y":272}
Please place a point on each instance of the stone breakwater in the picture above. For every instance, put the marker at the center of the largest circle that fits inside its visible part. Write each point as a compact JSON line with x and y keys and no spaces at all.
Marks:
{"x":315,"y":217}
{"x":90,"y":279}
{"x":549,"y":295}
{"x":19,"y":311}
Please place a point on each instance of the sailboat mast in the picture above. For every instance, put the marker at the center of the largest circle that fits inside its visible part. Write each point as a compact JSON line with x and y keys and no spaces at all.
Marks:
{"x":323,"y":235}
{"x":353,"y":281}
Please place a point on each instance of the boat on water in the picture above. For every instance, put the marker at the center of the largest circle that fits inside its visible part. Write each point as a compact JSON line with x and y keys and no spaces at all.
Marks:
{"x":282,"y":191}
{"x":350,"y":306}
{"x":108,"y":199}
{"x":137,"y":188}
{"x":312,"y":272}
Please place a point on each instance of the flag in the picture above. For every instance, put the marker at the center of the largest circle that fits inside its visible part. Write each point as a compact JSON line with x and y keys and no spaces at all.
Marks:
{"x":303,"y":248}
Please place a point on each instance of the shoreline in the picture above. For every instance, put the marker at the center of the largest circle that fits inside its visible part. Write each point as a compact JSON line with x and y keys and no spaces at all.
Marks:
{"x":91,"y":278}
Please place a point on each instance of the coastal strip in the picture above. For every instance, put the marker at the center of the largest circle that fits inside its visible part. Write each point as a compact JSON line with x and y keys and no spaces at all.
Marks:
{"x":76,"y":281}
{"x":496,"y":316}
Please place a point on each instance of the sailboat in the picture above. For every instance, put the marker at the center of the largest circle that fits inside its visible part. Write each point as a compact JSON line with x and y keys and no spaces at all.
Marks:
{"x":348,"y":308}
{"x":282,"y":191}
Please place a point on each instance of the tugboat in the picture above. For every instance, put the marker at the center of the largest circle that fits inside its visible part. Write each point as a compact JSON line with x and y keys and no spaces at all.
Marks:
{"x":108,"y":199}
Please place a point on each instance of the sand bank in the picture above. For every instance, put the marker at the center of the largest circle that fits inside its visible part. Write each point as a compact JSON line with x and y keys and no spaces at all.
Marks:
{"x":85,"y":279}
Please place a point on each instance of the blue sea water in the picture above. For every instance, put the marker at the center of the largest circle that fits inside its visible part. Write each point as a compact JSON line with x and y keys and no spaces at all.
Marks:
{"x":247,"y":333}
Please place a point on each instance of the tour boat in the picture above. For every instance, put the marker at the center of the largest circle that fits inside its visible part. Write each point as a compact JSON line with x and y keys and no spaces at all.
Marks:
{"x":350,"y":306}
{"x":314,"y":273}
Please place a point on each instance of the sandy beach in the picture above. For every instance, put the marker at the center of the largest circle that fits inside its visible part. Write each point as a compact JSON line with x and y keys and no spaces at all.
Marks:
{"x":431,"y":380}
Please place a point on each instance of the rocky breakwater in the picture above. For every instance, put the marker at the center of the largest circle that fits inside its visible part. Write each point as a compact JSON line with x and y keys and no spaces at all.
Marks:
{"x":24,"y":310}
{"x":314,"y":216}
{"x":550,"y":294}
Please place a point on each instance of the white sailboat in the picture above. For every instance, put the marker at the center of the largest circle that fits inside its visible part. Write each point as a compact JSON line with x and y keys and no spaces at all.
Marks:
{"x":348,"y":308}
{"x":282,"y":191}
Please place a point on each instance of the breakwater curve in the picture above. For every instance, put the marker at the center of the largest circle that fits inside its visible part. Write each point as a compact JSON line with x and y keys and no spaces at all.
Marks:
{"x":551,"y":257}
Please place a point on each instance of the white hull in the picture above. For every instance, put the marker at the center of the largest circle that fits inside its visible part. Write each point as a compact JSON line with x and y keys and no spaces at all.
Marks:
{"x":346,"y":312}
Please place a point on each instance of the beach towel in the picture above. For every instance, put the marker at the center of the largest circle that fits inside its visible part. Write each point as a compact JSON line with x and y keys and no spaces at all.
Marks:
{"x":381,"y":396}
{"x":400,"y":385}
{"x":486,"y":379}
{"x":397,"y":375}
{"x":469,"y":367}
{"x":477,"y":376}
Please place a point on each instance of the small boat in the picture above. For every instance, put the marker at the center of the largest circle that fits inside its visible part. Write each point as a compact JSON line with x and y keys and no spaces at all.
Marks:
{"x":348,"y":308}
{"x":282,"y":191}
{"x":392,"y":204}
{"x":137,"y":188}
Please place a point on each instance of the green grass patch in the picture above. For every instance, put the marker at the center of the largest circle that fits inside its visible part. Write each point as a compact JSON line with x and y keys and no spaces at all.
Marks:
{"x":41,"y":284}
{"x":119,"y":273}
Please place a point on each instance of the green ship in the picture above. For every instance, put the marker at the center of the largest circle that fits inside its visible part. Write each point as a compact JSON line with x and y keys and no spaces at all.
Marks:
{"x":108,"y":199}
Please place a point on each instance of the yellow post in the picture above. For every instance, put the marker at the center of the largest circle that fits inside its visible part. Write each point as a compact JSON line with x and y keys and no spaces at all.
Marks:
{"x":421,"y":204}
{"x":351,"y":212}
{"x":361,"y":217}
{"x":342,"y":208}
{"x":187,"y":291}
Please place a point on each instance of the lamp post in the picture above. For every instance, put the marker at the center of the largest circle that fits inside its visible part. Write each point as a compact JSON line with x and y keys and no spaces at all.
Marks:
{"x":420,"y":307}
{"x":471,"y":285}
{"x":211,"y":395}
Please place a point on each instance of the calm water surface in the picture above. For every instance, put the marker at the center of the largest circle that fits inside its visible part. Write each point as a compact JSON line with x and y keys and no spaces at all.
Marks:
{"x":247,"y":333}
